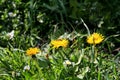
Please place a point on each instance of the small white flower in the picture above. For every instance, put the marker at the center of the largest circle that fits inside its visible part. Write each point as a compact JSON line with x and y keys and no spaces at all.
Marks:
{"x":67,"y":62}
{"x":27,"y":67}
{"x":11,"y":14}
{"x":41,"y":21}
{"x":11,"y":34}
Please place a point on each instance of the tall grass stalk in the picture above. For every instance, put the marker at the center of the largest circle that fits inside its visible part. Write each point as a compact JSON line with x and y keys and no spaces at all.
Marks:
{"x":86,"y":27}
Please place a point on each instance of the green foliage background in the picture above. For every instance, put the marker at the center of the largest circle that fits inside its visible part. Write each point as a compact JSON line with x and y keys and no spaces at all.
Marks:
{"x":39,"y":17}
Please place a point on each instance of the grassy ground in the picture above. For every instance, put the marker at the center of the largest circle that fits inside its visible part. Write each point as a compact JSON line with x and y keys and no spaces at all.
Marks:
{"x":73,"y":59}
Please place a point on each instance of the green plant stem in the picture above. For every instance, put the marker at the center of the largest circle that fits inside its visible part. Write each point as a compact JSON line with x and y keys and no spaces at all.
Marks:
{"x":99,"y":75}
{"x":86,"y":26}
{"x":93,"y":53}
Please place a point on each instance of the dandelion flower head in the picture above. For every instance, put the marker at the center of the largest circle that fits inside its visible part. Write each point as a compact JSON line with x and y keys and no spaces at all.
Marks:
{"x":32,"y":51}
{"x":95,"y":38}
{"x":59,"y":43}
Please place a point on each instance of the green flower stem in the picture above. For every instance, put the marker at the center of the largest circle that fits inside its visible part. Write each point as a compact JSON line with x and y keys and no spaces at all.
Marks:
{"x":93,"y":53}
{"x":99,"y":75}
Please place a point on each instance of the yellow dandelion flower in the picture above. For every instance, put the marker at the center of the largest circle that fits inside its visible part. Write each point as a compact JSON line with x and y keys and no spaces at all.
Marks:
{"x":95,"y":38}
{"x":32,"y":51}
{"x":59,"y":43}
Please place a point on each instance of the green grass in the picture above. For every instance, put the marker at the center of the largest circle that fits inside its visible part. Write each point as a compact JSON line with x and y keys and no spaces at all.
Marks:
{"x":49,"y":64}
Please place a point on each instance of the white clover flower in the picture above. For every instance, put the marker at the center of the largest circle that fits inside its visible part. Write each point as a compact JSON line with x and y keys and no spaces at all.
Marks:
{"x":11,"y":34}
{"x":27,"y":67}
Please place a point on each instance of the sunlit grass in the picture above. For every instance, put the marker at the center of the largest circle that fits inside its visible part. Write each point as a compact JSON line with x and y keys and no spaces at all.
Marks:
{"x":72,"y":62}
